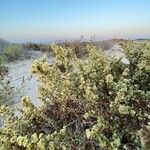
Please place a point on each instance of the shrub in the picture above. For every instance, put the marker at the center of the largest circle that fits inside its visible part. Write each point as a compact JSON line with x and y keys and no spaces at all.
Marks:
{"x":1,"y":59}
{"x":13,"y":51}
{"x":3,"y":45}
{"x":5,"y":88}
{"x":95,"y":103}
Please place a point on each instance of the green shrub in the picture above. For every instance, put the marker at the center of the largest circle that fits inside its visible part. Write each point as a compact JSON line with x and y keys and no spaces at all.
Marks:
{"x":5,"y":88}
{"x":3,"y":45}
{"x":93,"y":104}
{"x":13,"y":51}
{"x":1,"y":59}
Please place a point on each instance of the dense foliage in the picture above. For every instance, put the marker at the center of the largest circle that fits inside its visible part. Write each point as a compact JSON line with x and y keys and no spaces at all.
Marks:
{"x":78,"y":46}
{"x":93,"y":103}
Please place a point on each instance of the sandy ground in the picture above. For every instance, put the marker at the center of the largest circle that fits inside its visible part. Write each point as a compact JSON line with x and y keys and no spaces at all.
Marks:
{"x":117,"y":52}
{"x":26,"y":85}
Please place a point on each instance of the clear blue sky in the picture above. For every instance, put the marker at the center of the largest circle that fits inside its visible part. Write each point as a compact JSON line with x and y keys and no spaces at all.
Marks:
{"x":22,"y":20}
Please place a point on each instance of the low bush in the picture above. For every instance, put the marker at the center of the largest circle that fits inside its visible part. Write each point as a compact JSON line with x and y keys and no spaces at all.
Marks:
{"x":94,"y":104}
{"x":3,"y":45}
{"x":5,"y":88}
{"x":1,"y":59}
{"x":13,"y":52}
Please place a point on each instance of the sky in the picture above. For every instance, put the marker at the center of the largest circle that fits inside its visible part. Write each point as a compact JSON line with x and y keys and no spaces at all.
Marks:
{"x":50,"y":20}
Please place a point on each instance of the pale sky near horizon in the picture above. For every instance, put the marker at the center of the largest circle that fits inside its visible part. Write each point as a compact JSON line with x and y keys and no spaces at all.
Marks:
{"x":44,"y":20}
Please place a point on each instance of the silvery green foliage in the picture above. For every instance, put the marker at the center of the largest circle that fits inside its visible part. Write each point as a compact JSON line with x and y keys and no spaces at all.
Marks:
{"x":12,"y":52}
{"x":3,"y":45}
{"x":93,"y":103}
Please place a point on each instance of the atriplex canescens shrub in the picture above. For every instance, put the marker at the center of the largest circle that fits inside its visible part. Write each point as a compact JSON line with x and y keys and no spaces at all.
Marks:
{"x":91,"y":104}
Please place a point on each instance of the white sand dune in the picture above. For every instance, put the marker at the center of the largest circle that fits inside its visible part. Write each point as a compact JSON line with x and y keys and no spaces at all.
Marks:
{"x":117,"y":52}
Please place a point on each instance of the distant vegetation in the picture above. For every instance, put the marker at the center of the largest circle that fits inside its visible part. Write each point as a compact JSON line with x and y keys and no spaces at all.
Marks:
{"x":95,"y":103}
{"x":79,"y":47}
{"x":13,"y":51}
{"x":38,"y":47}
